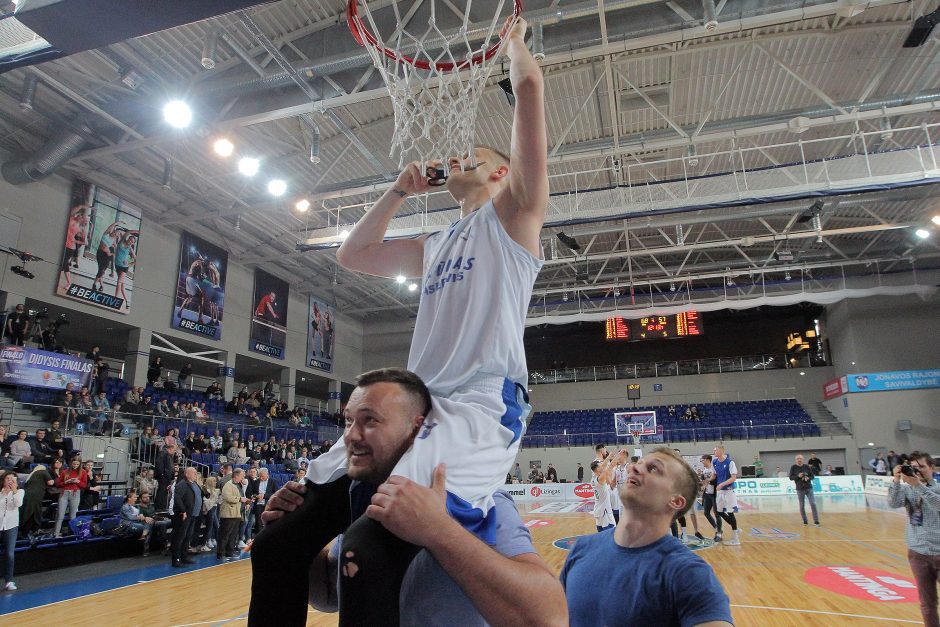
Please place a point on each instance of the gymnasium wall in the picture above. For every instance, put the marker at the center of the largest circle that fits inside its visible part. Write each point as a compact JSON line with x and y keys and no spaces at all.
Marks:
{"x":41,"y":208}
{"x":881,"y":335}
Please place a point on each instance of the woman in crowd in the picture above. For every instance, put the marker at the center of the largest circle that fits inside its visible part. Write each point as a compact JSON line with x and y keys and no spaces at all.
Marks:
{"x":11,"y":499}
{"x":58,"y":465}
{"x":91,"y":495}
{"x":36,"y":484}
{"x":171,"y":438}
{"x":20,"y":452}
{"x":210,"y":505}
{"x":71,"y":481}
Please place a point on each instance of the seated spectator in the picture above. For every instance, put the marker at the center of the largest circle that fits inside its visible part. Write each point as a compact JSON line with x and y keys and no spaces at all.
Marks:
{"x":43,"y":451}
{"x":5,"y":449}
{"x":21,"y":453}
{"x":147,"y":406}
{"x":157,"y":385}
{"x":241,"y":454}
{"x":672,"y":410}
{"x":200,"y":445}
{"x":189,"y":444}
{"x":132,"y":399}
{"x":139,"y":523}
{"x":253,"y":418}
{"x":144,"y":482}
{"x":91,"y":495}
{"x":294,"y":420}
{"x":216,"y":440}
{"x":694,"y":411}
{"x":199,"y":413}
{"x":214,"y":391}
{"x":55,"y":436}
{"x":171,"y":438}
{"x":163,"y":408}
{"x":161,"y":523}
{"x":827,"y":472}
{"x":157,"y":441}
{"x":175,"y":410}
{"x":65,"y":411}
{"x":168,"y":384}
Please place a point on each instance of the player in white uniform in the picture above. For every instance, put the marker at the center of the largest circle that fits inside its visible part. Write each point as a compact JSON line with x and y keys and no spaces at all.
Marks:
{"x":618,"y":477}
{"x":726,"y":472}
{"x":601,"y":482}
{"x":468,"y":339}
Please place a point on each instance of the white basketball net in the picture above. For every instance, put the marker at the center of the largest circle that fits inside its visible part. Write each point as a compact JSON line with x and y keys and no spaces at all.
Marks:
{"x":435,"y":108}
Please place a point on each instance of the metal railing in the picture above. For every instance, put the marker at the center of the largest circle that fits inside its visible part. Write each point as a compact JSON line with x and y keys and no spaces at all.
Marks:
{"x":749,"y":363}
{"x":693,"y":434}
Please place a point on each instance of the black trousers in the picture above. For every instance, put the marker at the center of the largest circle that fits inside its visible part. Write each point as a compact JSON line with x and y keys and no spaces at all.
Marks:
{"x":282,"y":553}
{"x":228,"y":532}
{"x":182,"y":533}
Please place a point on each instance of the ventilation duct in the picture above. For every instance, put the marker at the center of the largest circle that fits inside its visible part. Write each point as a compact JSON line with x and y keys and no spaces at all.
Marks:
{"x":49,"y":158}
{"x":29,"y":91}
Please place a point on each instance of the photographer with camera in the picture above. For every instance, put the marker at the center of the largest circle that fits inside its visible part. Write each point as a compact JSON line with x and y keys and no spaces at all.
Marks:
{"x":801,"y":475}
{"x":18,"y":325}
{"x":914,"y":489}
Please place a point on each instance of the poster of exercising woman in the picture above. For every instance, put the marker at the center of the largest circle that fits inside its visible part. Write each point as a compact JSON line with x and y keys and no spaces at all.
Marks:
{"x":200,"y":288}
{"x":269,"y":318}
{"x":99,"y":259}
{"x":321,"y":332}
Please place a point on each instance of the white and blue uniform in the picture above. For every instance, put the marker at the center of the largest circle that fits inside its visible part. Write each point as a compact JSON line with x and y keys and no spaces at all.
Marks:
{"x":725,"y":500}
{"x":468,"y":349}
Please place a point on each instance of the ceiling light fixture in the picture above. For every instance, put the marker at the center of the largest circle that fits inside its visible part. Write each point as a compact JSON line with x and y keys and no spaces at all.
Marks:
{"x":223,"y":147}
{"x":935,"y":220}
{"x":302,"y":205}
{"x":412,"y":287}
{"x":177,"y":114}
{"x":400,"y":279}
{"x":277,"y":187}
{"x":248,"y":166}
{"x":922,"y":233}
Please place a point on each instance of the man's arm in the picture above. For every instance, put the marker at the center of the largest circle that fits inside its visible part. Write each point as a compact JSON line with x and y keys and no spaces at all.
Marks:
{"x":506,"y":591}
{"x":365,"y":250}
{"x":521,"y":207}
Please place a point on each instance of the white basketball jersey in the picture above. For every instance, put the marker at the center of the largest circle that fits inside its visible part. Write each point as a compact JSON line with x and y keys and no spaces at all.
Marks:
{"x":476,"y":292}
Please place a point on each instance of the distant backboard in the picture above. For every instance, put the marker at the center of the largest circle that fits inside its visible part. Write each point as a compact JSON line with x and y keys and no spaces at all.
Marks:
{"x":646,"y":419}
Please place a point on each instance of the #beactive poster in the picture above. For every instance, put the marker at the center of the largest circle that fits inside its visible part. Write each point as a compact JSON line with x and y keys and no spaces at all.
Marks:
{"x":200,"y":288}
{"x":321,"y":333}
{"x":99,"y":259}
{"x":269,"y":319}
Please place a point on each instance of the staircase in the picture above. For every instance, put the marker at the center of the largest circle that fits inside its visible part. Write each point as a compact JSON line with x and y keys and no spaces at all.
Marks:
{"x":19,"y":417}
{"x":828,"y":424}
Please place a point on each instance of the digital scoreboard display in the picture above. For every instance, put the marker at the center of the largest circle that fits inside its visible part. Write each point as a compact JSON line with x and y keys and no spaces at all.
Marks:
{"x":655,"y":327}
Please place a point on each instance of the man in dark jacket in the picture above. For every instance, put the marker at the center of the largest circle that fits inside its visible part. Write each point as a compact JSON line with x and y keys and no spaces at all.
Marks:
{"x":163,"y":473}
{"x":187,"y":505}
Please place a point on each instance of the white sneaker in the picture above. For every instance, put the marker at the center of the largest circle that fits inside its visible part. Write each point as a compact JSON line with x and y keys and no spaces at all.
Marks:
{"x":205,"y":548}
{"x":241,"y":544}
{"x":682,"y":538}
{"x":10,"y":586}
{"x":735,"y":539}
{"x":212,"y":544}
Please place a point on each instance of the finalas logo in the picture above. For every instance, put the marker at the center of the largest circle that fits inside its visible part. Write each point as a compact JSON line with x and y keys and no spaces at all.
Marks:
{"x":12,"y":353}
{"x":585,"y":491}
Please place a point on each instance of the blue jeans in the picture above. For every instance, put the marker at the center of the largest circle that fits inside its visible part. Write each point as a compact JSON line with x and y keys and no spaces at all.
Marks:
{"x":248,"y":525}
{"x":9,"y":546}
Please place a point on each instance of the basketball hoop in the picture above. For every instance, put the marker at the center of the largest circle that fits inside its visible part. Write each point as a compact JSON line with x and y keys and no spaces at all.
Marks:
{"x":636,"y":434}
{"x":435,"y":77}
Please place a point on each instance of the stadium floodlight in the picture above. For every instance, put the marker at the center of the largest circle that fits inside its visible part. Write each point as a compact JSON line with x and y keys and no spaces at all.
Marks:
{"x":223,"y":147}
{"x":922,"y":233}
{"x":248,"y":166}
{"x":277,"y":187}
{"x":177,"y":114}
{"x":412,"y":287}
{"x":302,"y":205}
{"x":400,"y":279}
{"x":935,"y":220}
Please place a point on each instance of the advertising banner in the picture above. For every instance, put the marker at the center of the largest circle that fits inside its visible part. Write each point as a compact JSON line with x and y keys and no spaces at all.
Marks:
{"x":893,"y":381}
{"x":877,"y":484}
{"x":321,"y":334}
{"x":834,"y":388}
{"x":99,"y":258}
{"x":30,"y":366}
{"x":269,"y":320}
{"x":200,"y":288}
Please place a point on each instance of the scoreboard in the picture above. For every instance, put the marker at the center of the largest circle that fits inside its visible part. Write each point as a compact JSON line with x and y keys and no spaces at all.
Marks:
{"x":655,"y":327}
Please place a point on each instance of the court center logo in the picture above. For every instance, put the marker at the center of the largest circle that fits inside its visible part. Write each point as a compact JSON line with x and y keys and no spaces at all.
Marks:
{"x":869,"y":584}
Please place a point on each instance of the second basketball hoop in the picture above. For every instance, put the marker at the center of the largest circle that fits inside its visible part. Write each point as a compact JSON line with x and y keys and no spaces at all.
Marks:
{"x":436,"y":64}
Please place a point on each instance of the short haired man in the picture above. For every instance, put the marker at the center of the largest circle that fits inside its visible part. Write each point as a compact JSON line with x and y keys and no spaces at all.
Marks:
{"x":608,"y":576}
{"x":601,"y":482}
{"x":187,"y":506}
{"x":456,"y":575}
{"x":802,"y":474}
{"x":816,"y":464}
{"x":708,"y":495}
{"x":726,"y":473}
{"x":915,"y":489}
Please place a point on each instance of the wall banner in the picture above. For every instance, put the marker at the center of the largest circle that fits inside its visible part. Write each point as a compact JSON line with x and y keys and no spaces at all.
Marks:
{"x":30,"y":366}
{"x":99,"y":259}
{"x":321,"y":334}
{"x":269,"y":319}
{"x":200,"y":288}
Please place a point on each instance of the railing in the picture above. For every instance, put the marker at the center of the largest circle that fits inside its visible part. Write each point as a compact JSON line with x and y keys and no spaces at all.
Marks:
{"x":694,"y":434}
{"x":655,"y":369}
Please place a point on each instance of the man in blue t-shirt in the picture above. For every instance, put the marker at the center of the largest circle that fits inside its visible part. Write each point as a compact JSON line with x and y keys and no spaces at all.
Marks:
{"x":649,"y":577}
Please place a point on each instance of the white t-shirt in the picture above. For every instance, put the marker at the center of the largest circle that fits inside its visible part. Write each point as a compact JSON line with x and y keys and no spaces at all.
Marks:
{"x":603,"y":515}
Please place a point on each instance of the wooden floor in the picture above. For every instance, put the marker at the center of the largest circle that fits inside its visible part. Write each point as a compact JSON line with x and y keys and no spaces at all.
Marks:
{"x":764,"y":577}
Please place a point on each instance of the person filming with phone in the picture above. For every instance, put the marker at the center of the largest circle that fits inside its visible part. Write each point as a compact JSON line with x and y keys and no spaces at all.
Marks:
{"x":914,"y":489}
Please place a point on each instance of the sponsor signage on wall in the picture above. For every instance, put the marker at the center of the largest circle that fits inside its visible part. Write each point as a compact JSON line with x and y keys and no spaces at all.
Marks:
{"x":893,"y":381}
{"x":200,"y":288}
{"x":834,"y":388}
{"x":771,"y":486}
{"x":269,"y":319}
{"x":29,"y":366}
{"x":321,"y":334}
{"x":877,"y":484}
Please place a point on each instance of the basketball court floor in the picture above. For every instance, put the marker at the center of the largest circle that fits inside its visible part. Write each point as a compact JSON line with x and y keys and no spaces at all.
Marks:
{"x":850,"y":571}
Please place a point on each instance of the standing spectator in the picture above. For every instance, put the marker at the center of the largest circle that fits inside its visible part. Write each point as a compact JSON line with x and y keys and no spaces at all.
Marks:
{"x":802,"y":476}
{"x":230,"y":515}
{"x":185,"y":371}
{"x":879,"y":465}
{"x":102,"y":406}
{"x":91,"y":495}
{"x":102,"y":370}
{"x":11,"y":499}
{"x":187,"y":507}
{"x":246,"y":531}
{"x":580,"y":473}
{"x":37,"y":483}
{"x":164,"y":476}
{"x":94,"y":353}
{"x":154,"y":371}
{"x":210,"y":505}
{"x":21,"y":453}
{"x":780,"y":473}
{"x":708,"y":495}
{"x":18,"y":326}
{"x":893,"y":460}
{"x":816,"y":464}
{"x":551,"y":475}
{"x":266,"y":489}
{"x":71,"y":481}
{"x":915,"y":489}
{"x":758,"y":469}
